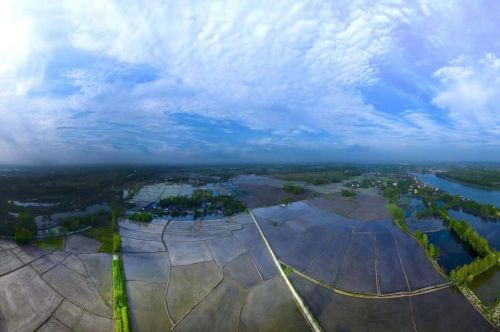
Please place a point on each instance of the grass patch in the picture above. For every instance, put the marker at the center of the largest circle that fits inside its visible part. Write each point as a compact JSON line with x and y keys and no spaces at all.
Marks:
{"x":103,"y":234}
{"x":120,"y":306}
{"x":287,"y":269}
{"x":51,"y":244}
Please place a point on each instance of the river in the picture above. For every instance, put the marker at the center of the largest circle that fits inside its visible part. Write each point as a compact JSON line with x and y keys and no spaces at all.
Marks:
{"x":479,"y":195}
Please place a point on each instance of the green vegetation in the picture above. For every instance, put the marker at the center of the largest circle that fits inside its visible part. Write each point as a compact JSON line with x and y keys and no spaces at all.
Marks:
{"x":398,"y":216}
{"x":391,"y":193}
{"x":430,"y":196}
{"x":104,"y":225}
{"x":103,"y":234}
{"x":142,"y":217}
{"x":117,"y":242}
{"x":25,"y":229}
{"x":51,"y":244}
{"x":483,"y":177}
{"x":467,"y":234}
{"x":120,"y":298}
{"x":286,"y":269}
{"x":432,"y":211}
{"x":482,"y":210}
{"x":348,"y":193}
{"x":202,"y":199}
{"x":293,"y":189}
{"x":487,"y":257}
{"x":200,"y":195}
{"x":429,"y":248}
{"x":72,"y":224}
{"x":320,"y":177}
{"x":479,"y":265}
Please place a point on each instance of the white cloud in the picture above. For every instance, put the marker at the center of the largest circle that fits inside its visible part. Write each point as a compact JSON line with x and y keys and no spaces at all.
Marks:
{"x":469,"y":90}
{"x":289,"y":68}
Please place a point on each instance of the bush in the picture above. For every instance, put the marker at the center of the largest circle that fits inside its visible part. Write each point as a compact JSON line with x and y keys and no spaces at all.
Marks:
{"x":348,"y":193}
{"x":23,"y":235}
{"x":286,"y":269}
{"x":25,"y":230}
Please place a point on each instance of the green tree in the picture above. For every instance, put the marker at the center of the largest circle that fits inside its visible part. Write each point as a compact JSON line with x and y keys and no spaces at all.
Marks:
{"x":25,"y":229}
{"x":23,"y":235}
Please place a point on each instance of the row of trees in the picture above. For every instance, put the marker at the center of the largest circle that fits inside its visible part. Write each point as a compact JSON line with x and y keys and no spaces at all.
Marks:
{"x":482,"y":210}
{"x":489,"y":178}
{"x":429,"y":197}
{"x":466,"y":273}
{"x":423,"y":240}
{"x":467,"y":234}
{"x":398,"y":215}
{"x":101,"y":218}
{"x":320,"y":177}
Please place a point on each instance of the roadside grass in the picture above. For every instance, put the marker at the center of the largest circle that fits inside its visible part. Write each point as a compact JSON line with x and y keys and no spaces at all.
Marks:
{"x":103,"y":234}
{"x":120,"y":306}
{"x":51,"y":244}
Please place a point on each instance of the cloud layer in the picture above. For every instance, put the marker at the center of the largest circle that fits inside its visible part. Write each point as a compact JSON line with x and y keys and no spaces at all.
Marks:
{"x":198,"y":81}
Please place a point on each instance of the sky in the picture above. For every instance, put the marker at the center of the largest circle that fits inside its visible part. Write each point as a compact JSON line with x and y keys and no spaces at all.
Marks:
{"x":249,"y":81}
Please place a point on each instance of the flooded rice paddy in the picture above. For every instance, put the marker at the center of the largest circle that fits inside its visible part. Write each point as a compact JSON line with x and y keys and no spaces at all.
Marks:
{"x":215,"y":274}
{"x":487,"y":286}
{"x":69,"y":290}
{"x":363,"y":275}
{"x":453,"y":252}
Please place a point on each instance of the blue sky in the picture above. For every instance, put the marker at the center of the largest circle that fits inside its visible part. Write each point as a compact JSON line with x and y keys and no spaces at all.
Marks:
{"x":250,"y":81}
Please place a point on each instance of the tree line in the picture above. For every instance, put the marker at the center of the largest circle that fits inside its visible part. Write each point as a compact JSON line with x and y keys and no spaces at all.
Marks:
{"x":468,"y":272}
{"x":423,"y":240}
{"x":293,"y":189}
{"x":467,"y":234}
